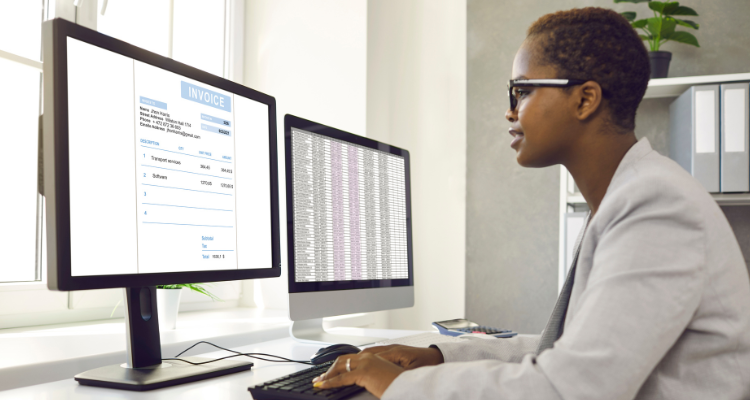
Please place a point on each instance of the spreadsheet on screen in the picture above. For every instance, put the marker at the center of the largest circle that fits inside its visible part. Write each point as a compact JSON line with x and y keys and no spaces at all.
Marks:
{"x":349,"y":211}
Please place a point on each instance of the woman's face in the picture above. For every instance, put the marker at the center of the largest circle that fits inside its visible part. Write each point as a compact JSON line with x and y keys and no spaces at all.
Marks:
{"x":543,"y":124}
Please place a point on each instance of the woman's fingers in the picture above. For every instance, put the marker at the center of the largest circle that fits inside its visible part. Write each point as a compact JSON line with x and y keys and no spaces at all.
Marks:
{"x":367,"y":370}
{"x":337,"y":369}
{"x":345,"y":379}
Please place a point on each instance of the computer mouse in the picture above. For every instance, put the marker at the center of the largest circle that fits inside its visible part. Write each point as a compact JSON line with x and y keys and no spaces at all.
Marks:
{"x":332,"y":352}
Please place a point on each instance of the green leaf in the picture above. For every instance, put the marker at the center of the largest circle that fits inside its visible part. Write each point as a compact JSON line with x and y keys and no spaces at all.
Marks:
{"x":670,"y":7}
{"x":629,"y":15}
{"x":641,"y":23}
{"x":646,"y":38}
{"x":667,"y":27}
{"x":686,"y":23}
{"x":631,"y":1}
{"x":653,"y":25}
{"x":684,"y":37}
{"x":661,"y":27}
{"x":196,"y":287}
{"x":113,"y":310}
{"x":682,"y":10}
{"x":657,"y":6}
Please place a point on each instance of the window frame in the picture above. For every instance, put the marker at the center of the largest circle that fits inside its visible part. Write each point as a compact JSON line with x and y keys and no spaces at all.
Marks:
{"x":38,"y":66}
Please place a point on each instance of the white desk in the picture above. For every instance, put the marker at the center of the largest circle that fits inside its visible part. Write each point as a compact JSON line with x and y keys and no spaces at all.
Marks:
{"x":36,"y":355}
{"x":232,"y":386}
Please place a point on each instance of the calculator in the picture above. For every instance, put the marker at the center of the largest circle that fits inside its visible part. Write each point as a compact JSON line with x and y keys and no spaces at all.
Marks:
{"x":458,"y":327}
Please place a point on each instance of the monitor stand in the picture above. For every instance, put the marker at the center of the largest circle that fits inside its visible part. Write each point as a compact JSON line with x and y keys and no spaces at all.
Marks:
{"x":144,"y":369}
{"x":311,"y":331}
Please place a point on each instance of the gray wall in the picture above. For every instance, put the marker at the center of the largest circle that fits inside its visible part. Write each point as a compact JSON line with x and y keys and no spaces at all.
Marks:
{"x":512,"y":212}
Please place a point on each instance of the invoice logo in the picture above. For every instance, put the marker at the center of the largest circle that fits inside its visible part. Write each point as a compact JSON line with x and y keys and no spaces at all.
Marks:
{"x":205,"y":96}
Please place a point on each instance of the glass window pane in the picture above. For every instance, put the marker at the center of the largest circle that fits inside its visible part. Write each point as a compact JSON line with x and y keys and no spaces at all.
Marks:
{"x":21,"y":29}
{"x":199,"y":34}
{"x":20,"y":103}
{"x":142,"y":23}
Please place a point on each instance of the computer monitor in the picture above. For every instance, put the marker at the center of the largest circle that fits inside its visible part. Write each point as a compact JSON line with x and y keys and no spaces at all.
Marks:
{"x":348,"y":227}
{"x":154,"y":173}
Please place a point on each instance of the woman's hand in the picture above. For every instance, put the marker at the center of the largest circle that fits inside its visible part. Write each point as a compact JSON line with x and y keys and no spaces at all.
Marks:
{"x":366,"y":369}
{"x":406,"y":356}
{"x":376,"y":368}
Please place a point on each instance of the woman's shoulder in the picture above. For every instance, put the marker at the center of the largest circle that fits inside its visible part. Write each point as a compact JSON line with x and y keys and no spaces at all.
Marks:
{"x":656,"y":184}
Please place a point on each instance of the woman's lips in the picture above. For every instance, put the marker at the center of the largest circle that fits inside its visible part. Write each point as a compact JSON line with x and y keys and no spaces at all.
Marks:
{"x":517,"y":136}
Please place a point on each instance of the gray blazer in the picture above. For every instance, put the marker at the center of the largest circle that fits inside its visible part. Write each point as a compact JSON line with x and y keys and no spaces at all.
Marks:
{"x":660,"y":307}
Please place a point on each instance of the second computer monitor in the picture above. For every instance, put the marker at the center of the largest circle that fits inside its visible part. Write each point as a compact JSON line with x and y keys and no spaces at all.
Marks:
{"x":348,"y":226}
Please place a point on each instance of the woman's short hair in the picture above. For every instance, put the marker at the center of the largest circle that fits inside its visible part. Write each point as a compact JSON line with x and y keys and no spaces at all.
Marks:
{"x":596,"y":44}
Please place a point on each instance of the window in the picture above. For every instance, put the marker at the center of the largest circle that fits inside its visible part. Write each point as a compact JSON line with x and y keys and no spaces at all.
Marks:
{"x":20,"y":83}
{"x":199,"y":34}
{"x":203,"y":33}
{"x":143,"y":23}
{"x":190,"y":31}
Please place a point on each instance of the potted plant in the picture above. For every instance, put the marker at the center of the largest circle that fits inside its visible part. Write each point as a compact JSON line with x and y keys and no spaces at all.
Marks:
{"x":660,"y":29}
{"x":168,"y":301}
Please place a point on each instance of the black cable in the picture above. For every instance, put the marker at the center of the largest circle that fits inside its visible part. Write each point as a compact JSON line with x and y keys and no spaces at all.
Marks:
{"x":237,"y":354}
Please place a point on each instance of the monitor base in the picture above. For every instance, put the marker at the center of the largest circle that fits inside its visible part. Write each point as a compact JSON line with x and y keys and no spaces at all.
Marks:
{"x":311,"y":331}
{"x":168,"y":373}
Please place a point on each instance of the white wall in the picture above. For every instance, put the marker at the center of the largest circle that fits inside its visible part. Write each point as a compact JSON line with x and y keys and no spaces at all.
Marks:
{"x":416,"y":99}
{"x":311,"y":55}
{"x":395,"y":71}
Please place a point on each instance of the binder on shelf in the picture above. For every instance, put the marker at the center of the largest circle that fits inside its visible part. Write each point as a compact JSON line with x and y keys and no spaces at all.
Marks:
{"x":735,"y":128}
{"x":694,"y":134}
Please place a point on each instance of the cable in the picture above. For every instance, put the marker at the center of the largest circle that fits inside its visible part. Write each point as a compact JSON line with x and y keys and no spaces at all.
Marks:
{"x":237,"y":354}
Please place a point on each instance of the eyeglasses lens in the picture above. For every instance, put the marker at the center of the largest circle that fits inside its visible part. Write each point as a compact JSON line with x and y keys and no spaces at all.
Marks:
{"x":514,"y":95}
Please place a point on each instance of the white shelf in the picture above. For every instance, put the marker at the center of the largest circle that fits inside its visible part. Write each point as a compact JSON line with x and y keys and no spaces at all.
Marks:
{"x":673,"y":87}
{"x":576,"y":199}
{"x":724,"y":199}
{"x":732,"y":199}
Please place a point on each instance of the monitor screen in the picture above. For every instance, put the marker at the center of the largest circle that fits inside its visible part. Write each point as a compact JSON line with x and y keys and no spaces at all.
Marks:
{"x":350,"y":211}
{"x":166,"y":173}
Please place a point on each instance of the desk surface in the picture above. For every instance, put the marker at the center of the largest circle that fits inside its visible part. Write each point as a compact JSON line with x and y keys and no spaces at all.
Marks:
{"x":232,"y":386}
{"x":36,"y":355}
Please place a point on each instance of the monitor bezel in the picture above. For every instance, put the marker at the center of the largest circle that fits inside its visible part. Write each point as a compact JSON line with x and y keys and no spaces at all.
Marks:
{"x":57,"y":190}
{"x":291,"y":121}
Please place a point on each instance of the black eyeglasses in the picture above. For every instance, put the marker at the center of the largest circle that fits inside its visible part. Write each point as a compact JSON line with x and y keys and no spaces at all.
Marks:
{"x":515,"y":86}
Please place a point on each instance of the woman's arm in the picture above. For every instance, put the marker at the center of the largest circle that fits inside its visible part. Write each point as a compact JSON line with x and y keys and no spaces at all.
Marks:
{"x":645,"y":285}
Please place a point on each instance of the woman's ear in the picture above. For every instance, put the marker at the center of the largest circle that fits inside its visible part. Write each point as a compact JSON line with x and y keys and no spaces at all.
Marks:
{"x":589,"y":99}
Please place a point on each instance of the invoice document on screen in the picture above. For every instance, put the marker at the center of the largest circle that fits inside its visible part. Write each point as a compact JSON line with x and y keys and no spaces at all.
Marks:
{"x":186,"y":180}
{"x":185,"y":172}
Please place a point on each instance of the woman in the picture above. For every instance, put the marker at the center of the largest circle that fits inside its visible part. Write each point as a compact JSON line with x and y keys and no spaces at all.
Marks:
{"x":657,"y":303}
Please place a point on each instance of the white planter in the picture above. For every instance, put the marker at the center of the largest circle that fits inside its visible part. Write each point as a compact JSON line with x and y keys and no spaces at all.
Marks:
{"x":168,"y":304}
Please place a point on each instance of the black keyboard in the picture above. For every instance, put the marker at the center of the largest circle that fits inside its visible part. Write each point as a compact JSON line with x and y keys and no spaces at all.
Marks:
{"x":299,"y":386}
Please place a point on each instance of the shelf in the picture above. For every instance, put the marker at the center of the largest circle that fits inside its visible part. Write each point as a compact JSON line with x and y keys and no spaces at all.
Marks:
{"x":673,"y":87}
{"x":732,"y":199}
{"x":575,"y":199}
{"x":723,"y":199}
